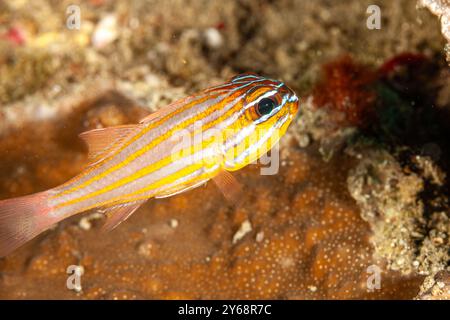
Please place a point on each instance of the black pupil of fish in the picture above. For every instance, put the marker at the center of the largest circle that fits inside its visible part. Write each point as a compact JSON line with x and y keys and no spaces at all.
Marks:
{"x":265,"y":106}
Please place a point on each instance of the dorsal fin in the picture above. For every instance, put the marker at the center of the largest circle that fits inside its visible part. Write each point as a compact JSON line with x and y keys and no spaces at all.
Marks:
{"x":117,"y":215}
{"x":164,"y":110}
{"x":103,"y":142}
{"x":174,"y":106}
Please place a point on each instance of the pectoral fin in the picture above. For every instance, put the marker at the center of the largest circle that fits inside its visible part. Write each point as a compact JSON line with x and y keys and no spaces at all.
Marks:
{"x":229,"y":186}
{"x":116,"y":215}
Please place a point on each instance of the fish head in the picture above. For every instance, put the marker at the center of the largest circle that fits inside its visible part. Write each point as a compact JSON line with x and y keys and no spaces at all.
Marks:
{"x":266,"y":107}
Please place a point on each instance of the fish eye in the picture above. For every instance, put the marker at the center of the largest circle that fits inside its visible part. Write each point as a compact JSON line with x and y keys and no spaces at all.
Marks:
{"x":265,"y":106}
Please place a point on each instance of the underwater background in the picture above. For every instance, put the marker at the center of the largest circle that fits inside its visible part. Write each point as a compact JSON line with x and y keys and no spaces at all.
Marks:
{"x":362,"y":189}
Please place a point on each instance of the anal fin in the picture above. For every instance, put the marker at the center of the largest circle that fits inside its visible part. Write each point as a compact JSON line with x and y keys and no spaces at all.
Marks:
{"x":118,"y":214}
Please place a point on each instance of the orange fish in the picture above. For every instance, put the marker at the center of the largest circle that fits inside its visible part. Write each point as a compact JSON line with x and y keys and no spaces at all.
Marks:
{"x":179,"y":147}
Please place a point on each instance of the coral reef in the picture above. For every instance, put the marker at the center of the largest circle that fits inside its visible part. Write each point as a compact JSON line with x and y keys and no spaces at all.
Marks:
{"x":390,"y":201}
{"x":435,"y":287}
{"x":440,"y":8}
{"x":383,"y":118}
{"x":318,"y":125}
{"x":261,"y":36}
{"x":296,"y":235}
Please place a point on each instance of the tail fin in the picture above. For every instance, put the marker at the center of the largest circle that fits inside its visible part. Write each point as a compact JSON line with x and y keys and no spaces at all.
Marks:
{"x":22,"y":219}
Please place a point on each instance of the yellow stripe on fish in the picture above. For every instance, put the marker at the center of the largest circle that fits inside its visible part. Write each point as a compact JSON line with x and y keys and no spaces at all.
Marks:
{"x":142,"y":172}
{"x":132,"y":197}
{"x":135,"y":138}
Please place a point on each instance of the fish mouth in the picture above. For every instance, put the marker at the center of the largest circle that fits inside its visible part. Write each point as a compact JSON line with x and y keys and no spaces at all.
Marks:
{"x":292,"y":100}
{"x":293,"y":104}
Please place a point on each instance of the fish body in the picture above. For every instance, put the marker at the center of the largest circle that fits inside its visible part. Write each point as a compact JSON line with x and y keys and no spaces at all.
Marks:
{"x":177,"y":148}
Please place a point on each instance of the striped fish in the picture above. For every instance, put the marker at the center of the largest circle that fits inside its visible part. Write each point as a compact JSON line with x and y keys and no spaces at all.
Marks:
{"x":177,"y":148}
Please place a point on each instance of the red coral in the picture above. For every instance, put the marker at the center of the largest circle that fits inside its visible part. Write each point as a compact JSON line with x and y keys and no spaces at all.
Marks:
{"x":403,"y":59}
{"x":347,"y":87}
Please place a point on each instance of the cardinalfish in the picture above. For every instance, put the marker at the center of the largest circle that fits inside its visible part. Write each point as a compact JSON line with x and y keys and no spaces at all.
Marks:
{"x":231,"y":126}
